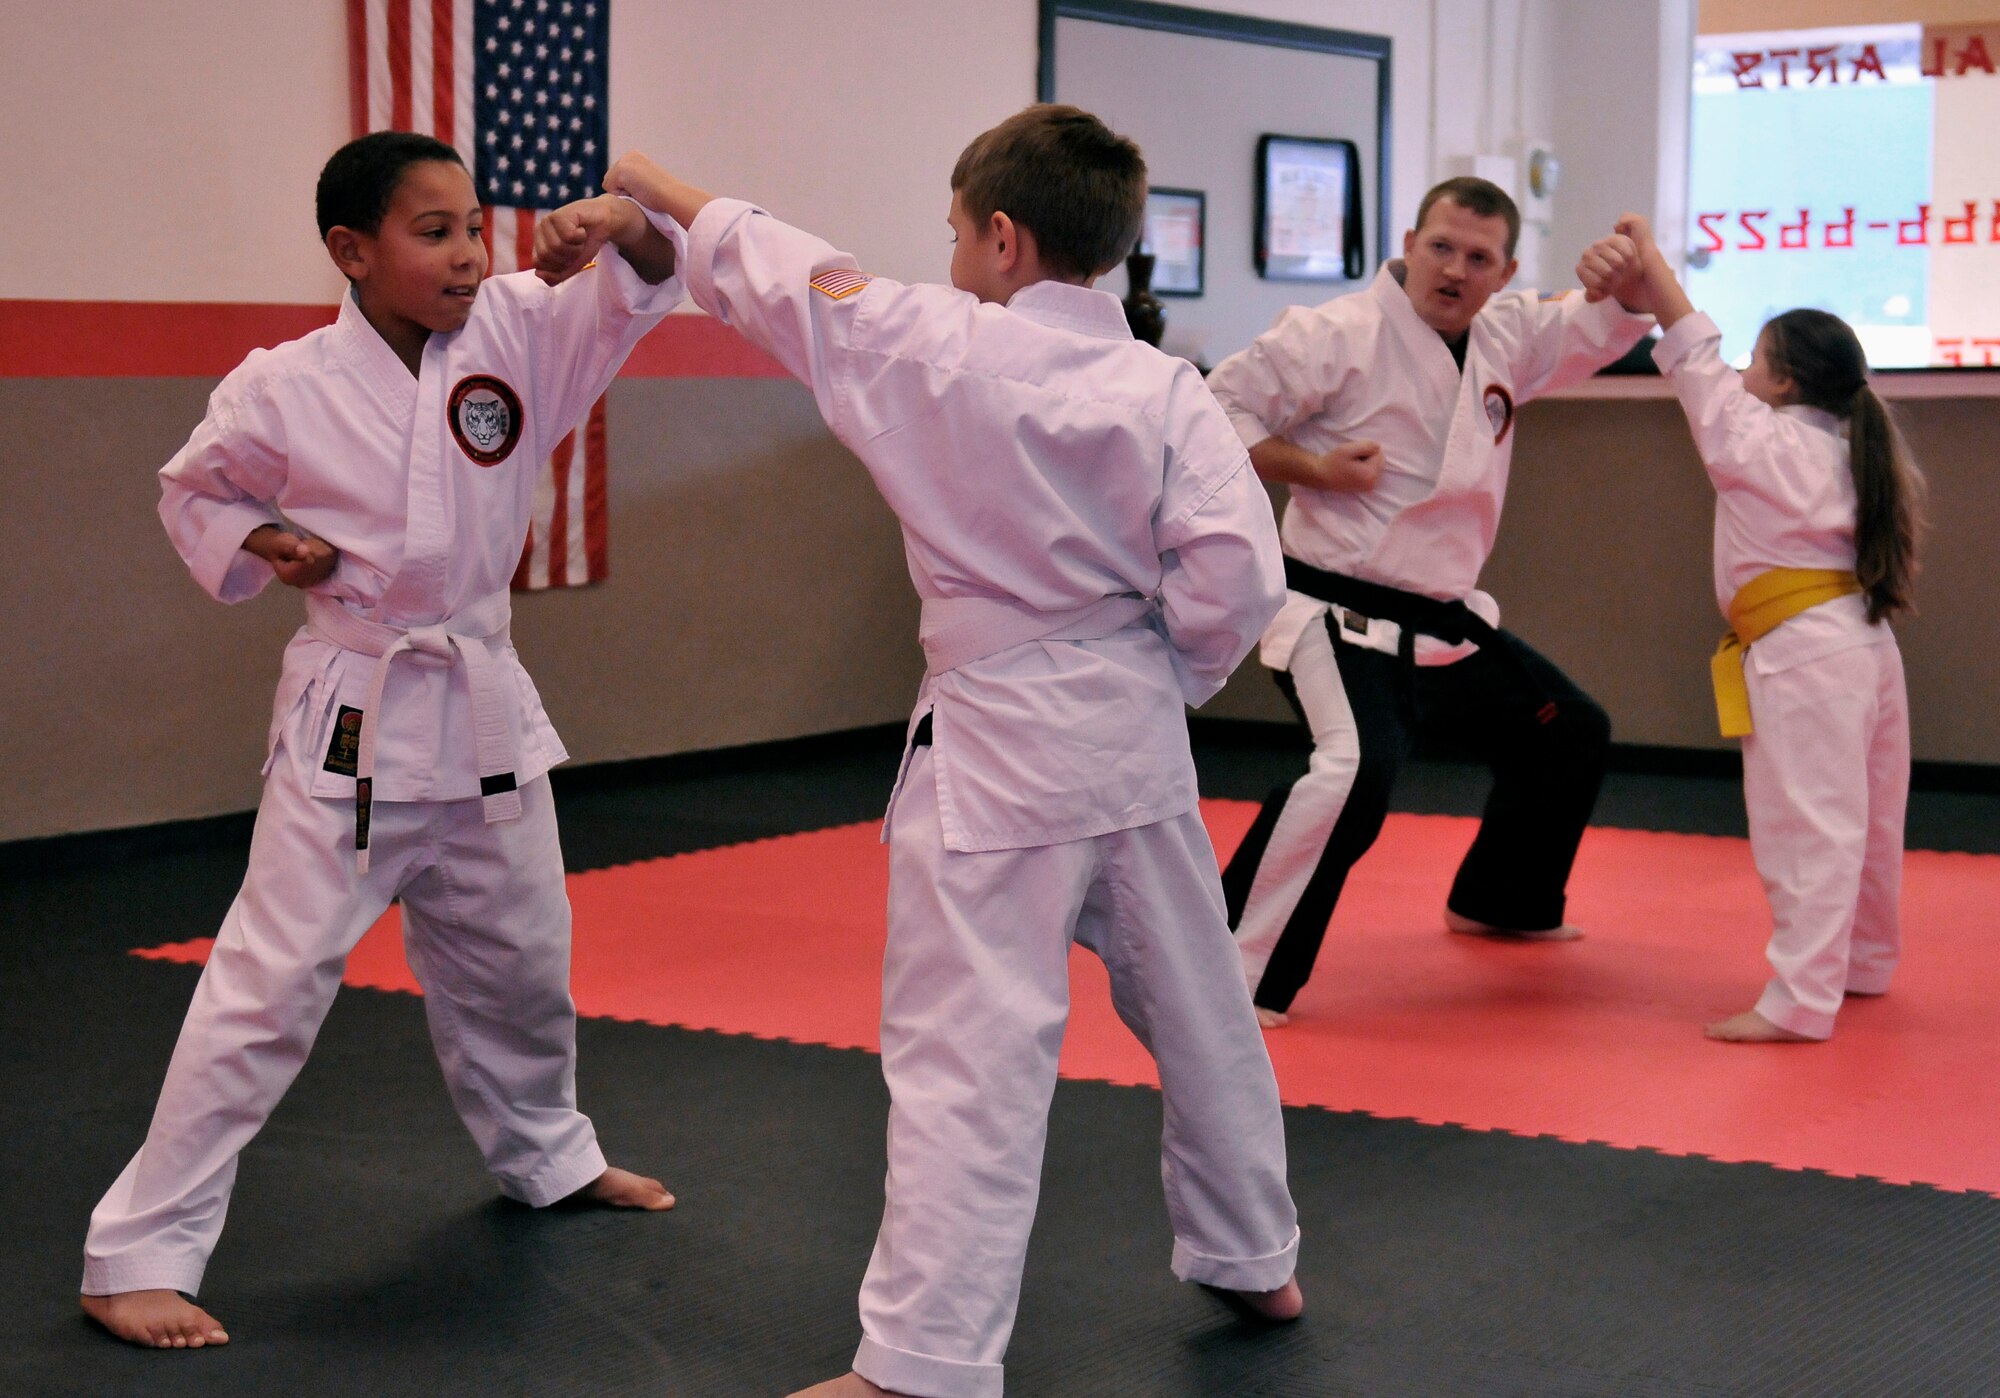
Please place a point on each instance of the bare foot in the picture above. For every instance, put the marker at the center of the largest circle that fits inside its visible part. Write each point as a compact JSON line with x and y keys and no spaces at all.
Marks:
{"x":1272,"y":1019}
{"x":621,"y":1189}
{"x":1274,"y":1307}
{"x":1467,"y":927}
{"x":846,"y":1386}
{"x":157,"y":1319}
{"x":1286,"y":1303}
{"x":1752,"y":1028}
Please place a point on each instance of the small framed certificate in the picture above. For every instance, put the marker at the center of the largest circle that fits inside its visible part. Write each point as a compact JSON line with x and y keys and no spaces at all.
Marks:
{"x":1308,"y":209}
{"x":1176,"y":235}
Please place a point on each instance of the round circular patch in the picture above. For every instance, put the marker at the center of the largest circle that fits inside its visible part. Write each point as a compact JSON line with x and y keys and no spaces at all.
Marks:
{"x":1499,"y":411}
{"x":485,"y":417}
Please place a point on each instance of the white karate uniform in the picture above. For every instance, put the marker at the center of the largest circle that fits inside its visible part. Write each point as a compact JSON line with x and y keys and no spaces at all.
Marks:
{"x":1826,"y":773}
{"x":1367,"y":367}
{"x":425,"y":486}
{"x":1093,"y":551}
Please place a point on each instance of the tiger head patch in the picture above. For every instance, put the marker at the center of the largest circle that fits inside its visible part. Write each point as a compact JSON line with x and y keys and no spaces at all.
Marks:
{"x":1499,"y":405}
{"x":485,"y":418}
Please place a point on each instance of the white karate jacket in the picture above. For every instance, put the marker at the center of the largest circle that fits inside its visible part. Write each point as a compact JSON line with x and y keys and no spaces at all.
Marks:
{"x":1366,"y":367}
{"x":1035,"y":454}
{"x":424,"y":484}
{"x":1784,"y":494}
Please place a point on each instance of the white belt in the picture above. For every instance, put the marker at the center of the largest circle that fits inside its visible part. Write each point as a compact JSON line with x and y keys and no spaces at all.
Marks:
{"x":956,"y":631}
{"x":464,"y":636}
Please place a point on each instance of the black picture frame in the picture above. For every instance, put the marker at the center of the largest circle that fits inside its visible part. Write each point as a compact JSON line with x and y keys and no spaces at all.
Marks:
{"x":1180,"y":264}
{"x":1309,"y":219}
{"x":1214,"y":24}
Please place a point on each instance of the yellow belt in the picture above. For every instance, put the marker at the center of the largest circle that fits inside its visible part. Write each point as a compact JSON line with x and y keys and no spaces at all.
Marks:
{"x":1758,"y":606}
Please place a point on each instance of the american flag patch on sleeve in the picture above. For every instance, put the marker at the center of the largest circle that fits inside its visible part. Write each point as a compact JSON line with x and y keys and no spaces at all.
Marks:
{"x":840,"y":283}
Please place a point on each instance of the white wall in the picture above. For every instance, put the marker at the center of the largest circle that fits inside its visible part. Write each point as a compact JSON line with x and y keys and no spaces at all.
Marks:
{"x":1621,"y":119}
{"x":174,"y":145}
{"x":167,"y":151}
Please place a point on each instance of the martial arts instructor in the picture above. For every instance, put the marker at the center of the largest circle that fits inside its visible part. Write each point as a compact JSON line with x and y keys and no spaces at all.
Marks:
{"x":1390,"y":415}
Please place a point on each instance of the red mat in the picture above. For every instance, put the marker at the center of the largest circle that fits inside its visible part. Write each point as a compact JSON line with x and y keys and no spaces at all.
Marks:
{"x":1596,"y":1040}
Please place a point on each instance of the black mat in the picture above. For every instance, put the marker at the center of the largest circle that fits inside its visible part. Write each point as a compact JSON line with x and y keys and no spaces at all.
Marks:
{"x":367,"y":1254}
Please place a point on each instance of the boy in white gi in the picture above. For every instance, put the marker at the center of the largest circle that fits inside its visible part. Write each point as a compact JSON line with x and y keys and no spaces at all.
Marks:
{"x":1093,"y":552}
{"x":1390,"y":416}
{"x":386,"y":465}
{"x":1817,"y":509}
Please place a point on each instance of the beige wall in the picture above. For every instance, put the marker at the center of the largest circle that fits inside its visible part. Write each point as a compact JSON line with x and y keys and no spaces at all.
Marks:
{"x":1603,"y":564}
{"x":757,"y":592}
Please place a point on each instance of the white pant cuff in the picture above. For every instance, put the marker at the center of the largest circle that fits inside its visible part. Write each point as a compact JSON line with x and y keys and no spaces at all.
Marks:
{"x":924,"y":1375}
{"x":115,"y":1275}
{"x":1867,"y":983}
{"x":560,"y":1180}
{"x":1776,"y":1005}
{"x":1266,"y":1273}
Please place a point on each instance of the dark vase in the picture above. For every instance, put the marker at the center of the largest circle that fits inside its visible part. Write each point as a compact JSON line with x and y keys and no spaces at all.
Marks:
{"x":1143,"y":311}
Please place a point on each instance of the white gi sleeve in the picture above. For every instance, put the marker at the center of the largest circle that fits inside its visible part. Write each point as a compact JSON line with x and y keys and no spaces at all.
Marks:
{"x":1566,"y":339}
{"x":1281,"y":380}
{"x":1733,"y":431}
{"x":757,"y":273}
{"x":1222,"y":578}
{"x":220,"y":486}
{"x":592,"y":322}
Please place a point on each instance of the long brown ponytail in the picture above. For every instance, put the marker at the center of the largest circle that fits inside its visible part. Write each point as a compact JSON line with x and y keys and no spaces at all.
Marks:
{"x":1823,"y":358}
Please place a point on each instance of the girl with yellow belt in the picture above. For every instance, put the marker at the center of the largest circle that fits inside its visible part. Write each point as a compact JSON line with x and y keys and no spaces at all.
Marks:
{"x":1818,"y":505}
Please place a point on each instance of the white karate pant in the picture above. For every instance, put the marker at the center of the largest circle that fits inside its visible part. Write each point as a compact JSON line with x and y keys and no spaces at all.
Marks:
{"x":1826,"y":776}
{"x":975,"y":994}
{"x":486,"y":927}
{"x":1313,"y":807}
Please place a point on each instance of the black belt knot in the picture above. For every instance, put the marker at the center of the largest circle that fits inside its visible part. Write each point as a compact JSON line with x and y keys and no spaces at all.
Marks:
{"x":1454,"y":623}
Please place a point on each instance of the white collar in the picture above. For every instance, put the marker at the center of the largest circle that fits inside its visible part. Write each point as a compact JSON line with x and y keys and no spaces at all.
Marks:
{"x":362,"y":345}
{"x":1065,"y":306}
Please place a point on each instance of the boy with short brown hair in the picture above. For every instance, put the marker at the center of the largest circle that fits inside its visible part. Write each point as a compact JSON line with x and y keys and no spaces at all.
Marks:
{"x":1093,"y":553}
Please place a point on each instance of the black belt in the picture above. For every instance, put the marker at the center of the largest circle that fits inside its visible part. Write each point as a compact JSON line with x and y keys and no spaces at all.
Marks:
{"x":1454,"y":623}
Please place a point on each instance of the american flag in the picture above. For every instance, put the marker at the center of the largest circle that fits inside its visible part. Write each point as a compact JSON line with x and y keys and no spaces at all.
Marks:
{"x":520,"y":88}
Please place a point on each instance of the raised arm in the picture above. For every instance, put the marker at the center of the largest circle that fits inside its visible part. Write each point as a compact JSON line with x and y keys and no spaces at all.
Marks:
{"x":787,"y":292}
{"x":1564,"y":339}
{"x":613,"y":274}
{"x":1732,"y":430}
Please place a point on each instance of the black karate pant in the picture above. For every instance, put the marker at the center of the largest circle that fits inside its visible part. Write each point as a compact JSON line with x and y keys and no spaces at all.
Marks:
{"x":1547,"y":768}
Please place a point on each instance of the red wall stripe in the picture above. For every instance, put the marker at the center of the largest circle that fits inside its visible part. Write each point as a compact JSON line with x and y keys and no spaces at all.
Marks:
{"x":695,"y":347}
{"x":204,"y":339}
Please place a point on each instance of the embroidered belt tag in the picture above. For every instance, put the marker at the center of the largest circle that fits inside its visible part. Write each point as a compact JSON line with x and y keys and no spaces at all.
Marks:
{"x":364,"y":796}
{"x":343,"y":753}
